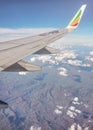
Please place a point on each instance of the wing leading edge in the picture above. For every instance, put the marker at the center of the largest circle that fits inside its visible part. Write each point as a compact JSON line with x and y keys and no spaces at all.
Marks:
{"x":12,"y":52}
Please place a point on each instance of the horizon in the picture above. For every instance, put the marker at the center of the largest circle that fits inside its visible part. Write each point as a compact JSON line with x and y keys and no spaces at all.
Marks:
{"x":25,"y":18}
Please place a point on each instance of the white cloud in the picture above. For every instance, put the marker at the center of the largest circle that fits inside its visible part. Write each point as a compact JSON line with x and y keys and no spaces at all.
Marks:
{"x":78,"y":63}
{"x":62,"y":71}
{"x":25,"y":30}
{"x":59,"y":107}
{"x":77,"y":111}
{"x":72,"y":39}
{"x":87,"y":128}
{"x":86,"y":65}
{"x":65,"y":54}
{"x":75,"y":62}
{"x":44,"y":58}
{"x":89,"y":58}
{"x":71,"y":114}
{"x":75,"y":126}
{"x":58,"y":112}
{"x":79,"y":71}
{"x":91,"y":53}
{"x":33,"y":59}
{"x":10,"y":34}
{"x":72,"y":111}
{"x":76,"y":101}
{"x":79,"y":127}
{"x":72,"y":108}
{"x":59,"y":57}
{"x":22,"y":73}
{"x":35,"y":128}
{"x":72,"y":127}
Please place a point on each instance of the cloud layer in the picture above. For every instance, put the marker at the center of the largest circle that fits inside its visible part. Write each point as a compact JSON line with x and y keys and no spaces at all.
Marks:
{"x":9,"y":34}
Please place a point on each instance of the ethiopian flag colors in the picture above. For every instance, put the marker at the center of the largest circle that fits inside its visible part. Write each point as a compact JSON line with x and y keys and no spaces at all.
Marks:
{"x":76,"y":20}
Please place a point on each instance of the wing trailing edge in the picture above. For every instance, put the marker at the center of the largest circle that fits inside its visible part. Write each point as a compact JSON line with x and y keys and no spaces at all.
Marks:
{"x":22,"y":66}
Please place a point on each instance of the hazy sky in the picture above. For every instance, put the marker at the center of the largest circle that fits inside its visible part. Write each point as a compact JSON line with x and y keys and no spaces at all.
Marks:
{"x":45,"y":14}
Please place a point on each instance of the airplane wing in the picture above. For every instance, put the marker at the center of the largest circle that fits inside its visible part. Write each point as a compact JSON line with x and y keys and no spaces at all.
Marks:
{"x":12,"y":52}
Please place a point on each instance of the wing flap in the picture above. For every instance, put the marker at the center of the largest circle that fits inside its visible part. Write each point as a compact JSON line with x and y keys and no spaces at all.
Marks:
{"x":22,"y":66}
{"x":47,"y":50}
{"x":28,"y":66}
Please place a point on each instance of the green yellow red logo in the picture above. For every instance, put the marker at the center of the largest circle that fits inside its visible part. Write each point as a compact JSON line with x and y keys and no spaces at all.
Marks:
{"x":76,"y":20}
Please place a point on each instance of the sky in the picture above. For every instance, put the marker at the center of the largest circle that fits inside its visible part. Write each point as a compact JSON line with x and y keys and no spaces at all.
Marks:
{"x":20,"y":16}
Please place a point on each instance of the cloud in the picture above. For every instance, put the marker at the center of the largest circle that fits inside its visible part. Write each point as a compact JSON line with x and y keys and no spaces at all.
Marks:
{"x":87,"y":128}
{"x":75,"y":126}
{"x":10,"y":34}
{"x":79,"y":71}
{"x":91,"y":53}
{"x":35,"y":128}
{"x":25,"y":30}
{"x":86,"y":65}
{"x":73,"y":39}
{"x":72,"y":110}
{"x":90,"y":58}
{"x":76,"y":101}
{"x":58,"y":110}
{"x":44,"y":58}
{"x":71,"y":114}
{"x":59,"y":107}
{"x":32,"y":59}
{"x":77,"y":63}
{"x":72,"y":127}
{"x":65,"y":55}
{"x":62,"y":71}
{"x":22,"y":73}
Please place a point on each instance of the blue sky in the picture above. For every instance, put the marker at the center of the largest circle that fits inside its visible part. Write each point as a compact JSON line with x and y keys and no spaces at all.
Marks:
{"x":16,"y":14}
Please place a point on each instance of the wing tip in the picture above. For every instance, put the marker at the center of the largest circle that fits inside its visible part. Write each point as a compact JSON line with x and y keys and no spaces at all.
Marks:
{"x":84,"y":5}
{"x":77,"y":18}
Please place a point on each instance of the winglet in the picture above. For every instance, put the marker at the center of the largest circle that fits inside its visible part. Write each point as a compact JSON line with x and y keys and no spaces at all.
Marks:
{"x":76,"y":19}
